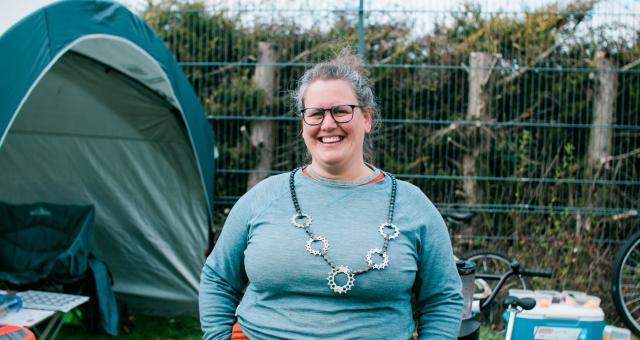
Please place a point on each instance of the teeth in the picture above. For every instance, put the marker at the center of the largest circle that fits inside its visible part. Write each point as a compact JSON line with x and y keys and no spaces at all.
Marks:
{"x":332,"y":139}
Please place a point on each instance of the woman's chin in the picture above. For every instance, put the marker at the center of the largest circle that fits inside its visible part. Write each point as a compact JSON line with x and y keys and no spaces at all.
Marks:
{"x":330,"y":157}
{"x":329,"y":164}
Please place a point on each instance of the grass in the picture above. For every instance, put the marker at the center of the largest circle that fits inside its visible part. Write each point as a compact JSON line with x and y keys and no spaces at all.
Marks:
{"x":487,"y":334}
{"x":143,"y":327}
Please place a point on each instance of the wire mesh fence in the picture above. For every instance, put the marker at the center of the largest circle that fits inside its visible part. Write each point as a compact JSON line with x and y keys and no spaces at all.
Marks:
{"x":527,"y":115}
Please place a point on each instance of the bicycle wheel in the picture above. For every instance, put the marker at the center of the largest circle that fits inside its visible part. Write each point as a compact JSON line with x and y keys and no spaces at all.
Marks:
{"x":625,"y":283}
{"x":498,"y":263}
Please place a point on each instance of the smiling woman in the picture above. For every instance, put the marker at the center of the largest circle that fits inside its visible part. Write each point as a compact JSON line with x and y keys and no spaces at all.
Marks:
{"x":346,"y":77}
{"x":337,"y":249}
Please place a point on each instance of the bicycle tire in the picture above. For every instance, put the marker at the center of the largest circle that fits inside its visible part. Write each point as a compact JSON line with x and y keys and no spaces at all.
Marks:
{"x":625,"y":283}
{"x":484,"y":258}
{"x":495,"y":262}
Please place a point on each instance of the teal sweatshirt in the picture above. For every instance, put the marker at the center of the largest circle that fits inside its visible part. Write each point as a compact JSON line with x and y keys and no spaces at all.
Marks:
{"x":261,"y":274}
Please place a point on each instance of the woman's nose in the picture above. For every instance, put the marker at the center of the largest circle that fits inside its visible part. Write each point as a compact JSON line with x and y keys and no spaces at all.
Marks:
{"x":328,"y":122}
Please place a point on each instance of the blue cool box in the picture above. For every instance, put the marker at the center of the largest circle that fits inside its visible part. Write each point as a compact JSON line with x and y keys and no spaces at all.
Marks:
{"x":559,"y":321}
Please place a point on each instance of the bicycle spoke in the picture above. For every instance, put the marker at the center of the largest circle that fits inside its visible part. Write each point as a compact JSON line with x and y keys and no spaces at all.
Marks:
{"x":631,"y":297}
{"x":633,"y":311}
{"x":631,"y":302}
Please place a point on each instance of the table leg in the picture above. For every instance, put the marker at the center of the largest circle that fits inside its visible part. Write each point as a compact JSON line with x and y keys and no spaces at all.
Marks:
{"x":54,"y":325}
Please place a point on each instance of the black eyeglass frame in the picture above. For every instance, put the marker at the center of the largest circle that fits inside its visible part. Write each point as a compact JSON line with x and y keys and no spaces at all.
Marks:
{"x":331,"y":109}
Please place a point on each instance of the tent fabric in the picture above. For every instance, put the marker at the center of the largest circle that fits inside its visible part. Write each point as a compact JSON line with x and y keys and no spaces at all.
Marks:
{"x":95,"y":110}
{"x":35,"y":42}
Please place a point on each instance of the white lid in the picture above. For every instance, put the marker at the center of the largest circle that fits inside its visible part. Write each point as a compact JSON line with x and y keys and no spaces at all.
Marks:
{"x":553,"y":293}
{"x":573,"y":292}
{"x":563,"y":312}
{"x":521,"y":293}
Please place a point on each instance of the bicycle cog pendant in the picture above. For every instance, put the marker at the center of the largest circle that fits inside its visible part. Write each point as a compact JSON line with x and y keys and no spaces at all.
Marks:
{"x":332,"y":279}
{"x":302,"y":225}
{"x":317,"y":252}
{"x":382,"y":229}
{"x":378,"y":266}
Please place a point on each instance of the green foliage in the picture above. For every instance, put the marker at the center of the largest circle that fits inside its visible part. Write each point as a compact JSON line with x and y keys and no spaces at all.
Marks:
{"x":487,"y":334}
{"x":240,"y":96}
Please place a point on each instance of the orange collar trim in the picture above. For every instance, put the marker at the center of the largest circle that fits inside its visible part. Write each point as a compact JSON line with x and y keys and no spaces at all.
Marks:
{"x":375,"y":180}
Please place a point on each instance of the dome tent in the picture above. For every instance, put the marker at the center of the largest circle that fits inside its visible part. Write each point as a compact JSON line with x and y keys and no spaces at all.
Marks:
{"x":95,"y":110}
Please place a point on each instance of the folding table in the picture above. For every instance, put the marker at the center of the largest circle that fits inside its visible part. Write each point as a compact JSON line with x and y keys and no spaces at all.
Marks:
{"x":40,"y":306}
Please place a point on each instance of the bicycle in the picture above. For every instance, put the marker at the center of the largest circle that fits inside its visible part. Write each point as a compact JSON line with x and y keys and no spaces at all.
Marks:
{"x":625,"y":283}
{"x":470,"y":328}
{"x":487,"y":261}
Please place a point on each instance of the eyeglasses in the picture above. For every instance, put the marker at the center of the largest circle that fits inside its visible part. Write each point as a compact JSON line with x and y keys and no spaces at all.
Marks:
{"x":340,"y":113}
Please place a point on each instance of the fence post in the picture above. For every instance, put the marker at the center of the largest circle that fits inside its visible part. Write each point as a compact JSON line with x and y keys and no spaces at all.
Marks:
{"x":600,"y":135}
{"x":480,"y":65}
{"x":262,"y":134}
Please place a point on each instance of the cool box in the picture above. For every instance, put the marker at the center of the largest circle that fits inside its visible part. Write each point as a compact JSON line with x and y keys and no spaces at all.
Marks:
{"x":559,"y":322}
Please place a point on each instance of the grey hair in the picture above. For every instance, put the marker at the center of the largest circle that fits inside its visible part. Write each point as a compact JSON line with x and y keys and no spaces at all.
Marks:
{"x":349,"y":68}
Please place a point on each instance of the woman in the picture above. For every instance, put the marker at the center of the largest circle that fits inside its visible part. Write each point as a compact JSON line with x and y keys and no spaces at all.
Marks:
{"x":334,"y":249}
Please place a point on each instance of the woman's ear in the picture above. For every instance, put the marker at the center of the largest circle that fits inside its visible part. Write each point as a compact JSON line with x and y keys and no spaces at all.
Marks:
{"x":368,"y":119}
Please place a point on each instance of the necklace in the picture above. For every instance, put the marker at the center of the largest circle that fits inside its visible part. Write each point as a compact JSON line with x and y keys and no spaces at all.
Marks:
{"x":387,"y":230}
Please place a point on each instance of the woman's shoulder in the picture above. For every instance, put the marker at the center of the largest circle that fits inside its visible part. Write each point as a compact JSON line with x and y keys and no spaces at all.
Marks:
{"x":411,"y":190}
{"x":274,"y":181}
{"x":262,"y":195}
{"x":270,"y":187}
{"x":412,"y":196}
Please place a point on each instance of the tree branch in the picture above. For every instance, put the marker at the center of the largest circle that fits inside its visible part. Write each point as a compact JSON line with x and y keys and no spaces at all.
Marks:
{"x":630,"y":65}
{"x":622,"y":156}
{"x":542,"y":56}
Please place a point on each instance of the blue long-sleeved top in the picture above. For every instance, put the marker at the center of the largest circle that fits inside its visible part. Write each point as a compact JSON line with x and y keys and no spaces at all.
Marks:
{"x":261,"y":274}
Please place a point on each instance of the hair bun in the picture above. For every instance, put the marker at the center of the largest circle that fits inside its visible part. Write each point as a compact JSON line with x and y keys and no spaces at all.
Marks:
{"x":348,"y":58}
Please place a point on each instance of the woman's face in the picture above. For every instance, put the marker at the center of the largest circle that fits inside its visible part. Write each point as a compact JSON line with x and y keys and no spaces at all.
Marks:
{"x":335,"y":147}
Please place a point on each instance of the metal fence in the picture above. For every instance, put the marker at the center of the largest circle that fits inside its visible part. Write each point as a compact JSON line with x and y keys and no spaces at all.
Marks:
{"x":528,"y":116}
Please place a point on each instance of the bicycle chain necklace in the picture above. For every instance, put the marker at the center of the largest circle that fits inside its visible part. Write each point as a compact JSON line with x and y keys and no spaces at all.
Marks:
{"x":342,"y":269}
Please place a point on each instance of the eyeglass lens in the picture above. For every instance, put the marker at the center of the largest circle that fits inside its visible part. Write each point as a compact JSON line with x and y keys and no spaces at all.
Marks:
{"x":340,"y":113}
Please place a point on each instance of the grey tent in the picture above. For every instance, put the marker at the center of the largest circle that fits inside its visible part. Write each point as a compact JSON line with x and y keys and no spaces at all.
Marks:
{"x":95,"y":110}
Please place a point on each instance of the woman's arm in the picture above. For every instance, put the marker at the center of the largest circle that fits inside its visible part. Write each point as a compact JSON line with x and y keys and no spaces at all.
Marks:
{"x":223,"y":277}
{"x":438,"y":286}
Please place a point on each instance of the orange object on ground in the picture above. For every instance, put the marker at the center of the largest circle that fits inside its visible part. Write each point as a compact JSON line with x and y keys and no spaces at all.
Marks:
{"x":236,"y":333}
{"x":11,"y":332}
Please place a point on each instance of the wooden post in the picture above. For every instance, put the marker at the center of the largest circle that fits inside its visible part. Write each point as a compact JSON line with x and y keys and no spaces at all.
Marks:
{"x":262,"y":131}
{"x":480,"y":65}
{"x":600,"y":135}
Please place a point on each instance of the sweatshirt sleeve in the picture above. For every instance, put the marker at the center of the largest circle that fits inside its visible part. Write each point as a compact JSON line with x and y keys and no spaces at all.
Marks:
{"x":438,"y":286}
{"x":223,"y":278}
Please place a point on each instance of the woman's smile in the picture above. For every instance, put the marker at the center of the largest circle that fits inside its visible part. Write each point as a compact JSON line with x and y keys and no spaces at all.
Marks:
{"x":331,"y":139}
